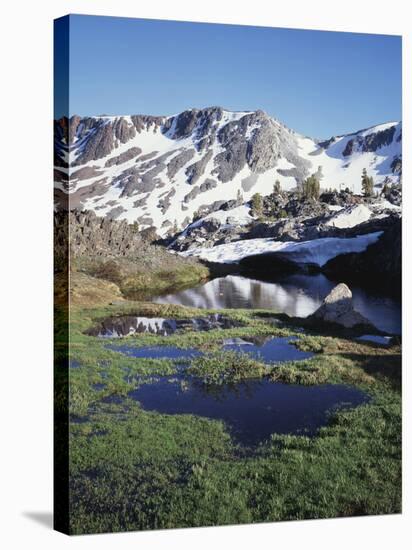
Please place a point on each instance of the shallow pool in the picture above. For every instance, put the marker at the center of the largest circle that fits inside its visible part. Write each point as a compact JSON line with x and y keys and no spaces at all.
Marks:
{"x":271,"y":350}
{"x":252,"y":410}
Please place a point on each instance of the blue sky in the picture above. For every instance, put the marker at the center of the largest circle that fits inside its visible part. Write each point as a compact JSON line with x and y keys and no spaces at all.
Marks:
{"x":318,"y":83}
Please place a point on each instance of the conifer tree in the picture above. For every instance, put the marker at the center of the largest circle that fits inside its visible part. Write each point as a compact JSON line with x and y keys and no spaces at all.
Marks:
{"x":311,"y":187}
{"x":257,"y":205}
{"x":367,"y":184}
{"x":276,"y":187}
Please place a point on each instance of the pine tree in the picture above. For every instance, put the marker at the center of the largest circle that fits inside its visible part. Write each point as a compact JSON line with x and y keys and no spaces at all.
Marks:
{"x":276,"y":188}
{"x":367,"y":184}
{"x":311,"y":187}
{"x":257,"y":205}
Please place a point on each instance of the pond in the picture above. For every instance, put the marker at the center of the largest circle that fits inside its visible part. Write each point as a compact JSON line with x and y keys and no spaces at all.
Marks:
{"x":126,"y":325}
{"x":296,"y":295}
{"x":269,"y":350}
{"x":157,"y":352}
{"x":252,"y":410}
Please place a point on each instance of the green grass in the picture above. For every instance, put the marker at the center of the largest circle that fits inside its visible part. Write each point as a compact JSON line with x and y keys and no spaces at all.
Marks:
{"x":226,"y":366}
{"x":136,"y":279}
{"x":134,"y":469}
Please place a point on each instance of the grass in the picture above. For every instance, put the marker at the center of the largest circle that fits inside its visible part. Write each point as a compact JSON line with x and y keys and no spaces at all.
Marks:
{"x":135,"y":469}
{"x":151,"y":471}
{"x":136,"y":279}
{"x":226,"y":366}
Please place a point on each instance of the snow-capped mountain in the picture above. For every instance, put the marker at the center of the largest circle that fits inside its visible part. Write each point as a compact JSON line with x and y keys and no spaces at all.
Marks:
{"x":160,"y":171}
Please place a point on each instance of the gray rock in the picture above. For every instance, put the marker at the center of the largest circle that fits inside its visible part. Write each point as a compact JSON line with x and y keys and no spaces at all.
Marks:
{"x":207,"y":185}
{"x":98,"y":145}
{"x":233,"y":159}
{"x":179,"y":161}
{"x":123,"y":157}
{"x":349,"y":148}
{"x":197,"y":169}
{"x":156,"y":161}
{"x":115,"y":212}
{"x":123,"y":131}
{"x":201,"y":124}
{"x":338,"y":308}
{"x":192,"y":194}
{"x":87,"y":172}
{"x":375,"y":141}
{"x":396,"y":165}
{"x":131,"y":183}
{"x":165,"y":202}
{"x":147,"y":156}
{"x":370,"y":143}
{"x":142,"y":122}
{"x":258,"y":141}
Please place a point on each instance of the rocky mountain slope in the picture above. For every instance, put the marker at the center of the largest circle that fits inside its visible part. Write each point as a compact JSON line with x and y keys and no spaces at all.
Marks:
{"x":93,"y":248}
{"x":160,"y":171}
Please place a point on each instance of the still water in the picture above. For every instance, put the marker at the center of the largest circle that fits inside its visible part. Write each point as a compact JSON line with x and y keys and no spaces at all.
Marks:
{"x":268,"y":350}
{"x":252,"y":410}
{"x":296,"y":295}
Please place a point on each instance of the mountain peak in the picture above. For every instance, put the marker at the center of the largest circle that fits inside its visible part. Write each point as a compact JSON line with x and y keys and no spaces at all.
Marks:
{"x":161,"y":170}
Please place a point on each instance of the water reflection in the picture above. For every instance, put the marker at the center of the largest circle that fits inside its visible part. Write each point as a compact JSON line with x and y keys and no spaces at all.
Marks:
{"x":126,"y":325}
{"x":253,"y":410}
{"x":270,"y":350}
{"x":296,"y":295}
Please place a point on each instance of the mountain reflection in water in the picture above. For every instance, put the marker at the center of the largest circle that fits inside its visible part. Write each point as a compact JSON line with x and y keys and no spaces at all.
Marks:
{"x":296,"y":295}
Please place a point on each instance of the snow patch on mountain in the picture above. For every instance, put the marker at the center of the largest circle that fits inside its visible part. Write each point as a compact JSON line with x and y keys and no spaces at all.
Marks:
{"x":159,"y":171}
{"x":317,"y":251}
{"x":350,"y":217}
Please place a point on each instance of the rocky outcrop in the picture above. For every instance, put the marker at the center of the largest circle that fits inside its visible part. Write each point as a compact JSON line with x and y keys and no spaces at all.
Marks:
{"x":369,"y":143}
{"x":87,"y":172}
{"x":177,"y":162}
{"x":123,"y":157}
{"x":201,"y":123}
{"x":99,"y":144}
{"x":197,"y":169}
{"x":298,"y":219}
{"x":145,"y":122}
{"x":396,"y":165}
{"x":90,"y":235}
{"x":97,"y":137}
{"x":207,"y":185}
{"x":258,"y":141}
{"x":338,"y":308}
{"x":380,"y":265}
{"x":192,"y":194}
{"x":165,"y":201}
{"x":375,"y":141}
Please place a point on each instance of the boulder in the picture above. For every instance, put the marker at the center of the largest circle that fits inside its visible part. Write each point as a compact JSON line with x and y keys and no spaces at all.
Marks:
{"x":338,"y":308}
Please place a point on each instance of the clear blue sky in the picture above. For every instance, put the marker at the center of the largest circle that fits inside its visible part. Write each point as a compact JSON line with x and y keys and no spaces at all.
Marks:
{"x":318,"y":83}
